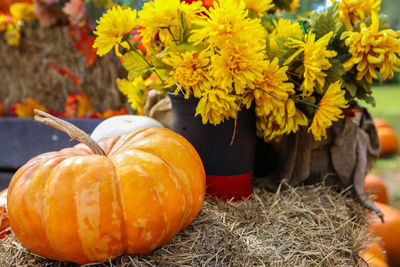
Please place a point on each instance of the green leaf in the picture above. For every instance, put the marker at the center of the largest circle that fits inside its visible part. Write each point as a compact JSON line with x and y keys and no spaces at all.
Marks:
{"x":135,"y":64}
{"x":325,"y":22}
{"x":335,"y":73}
{"x":351,"y":88}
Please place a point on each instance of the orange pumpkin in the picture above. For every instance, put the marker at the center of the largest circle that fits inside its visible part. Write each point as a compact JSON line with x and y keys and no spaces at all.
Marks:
{"x":80,"y":206}
{"x":379,"y":123}
{"x":5,"y":4}
{"x":375,"y":186}
{"x":389,"y":141}
{"x":375,"y":255}
{"x":389,"y":231}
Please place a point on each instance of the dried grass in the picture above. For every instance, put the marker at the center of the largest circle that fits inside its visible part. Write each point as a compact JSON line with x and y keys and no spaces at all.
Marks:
{"x":302,"y":226}
{"x":25,"y":71}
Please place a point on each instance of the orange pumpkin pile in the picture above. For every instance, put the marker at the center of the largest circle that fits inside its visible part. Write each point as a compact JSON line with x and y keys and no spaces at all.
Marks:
{"x":387,"y":137}
{"x":129,"y":194}
{"x":389,"y":230}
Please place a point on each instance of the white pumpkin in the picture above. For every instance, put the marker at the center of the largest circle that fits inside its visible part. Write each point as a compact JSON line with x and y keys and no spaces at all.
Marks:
{"x":122,"y":124}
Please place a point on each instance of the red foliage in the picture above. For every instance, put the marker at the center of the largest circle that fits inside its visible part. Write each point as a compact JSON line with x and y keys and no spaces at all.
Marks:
{"x":84,"y":43}
{"x":65,"y":72}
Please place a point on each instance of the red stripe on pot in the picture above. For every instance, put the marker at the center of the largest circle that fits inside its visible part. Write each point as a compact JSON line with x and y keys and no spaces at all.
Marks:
{"x":235,"y":187}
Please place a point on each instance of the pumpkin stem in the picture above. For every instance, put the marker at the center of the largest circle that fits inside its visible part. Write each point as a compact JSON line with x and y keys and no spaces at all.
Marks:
{"x":73,"y":131}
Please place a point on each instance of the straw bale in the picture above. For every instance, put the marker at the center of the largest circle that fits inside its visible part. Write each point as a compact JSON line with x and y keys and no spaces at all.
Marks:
{"x":25,"y":71}
{"x":303,"y":226}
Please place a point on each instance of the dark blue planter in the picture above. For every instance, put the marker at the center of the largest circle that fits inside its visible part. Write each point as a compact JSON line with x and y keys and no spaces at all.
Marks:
{"x":23,"y":139}
{"x":229,"y":167}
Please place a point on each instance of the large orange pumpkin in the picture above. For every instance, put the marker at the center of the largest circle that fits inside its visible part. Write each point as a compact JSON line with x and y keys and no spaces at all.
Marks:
{"x":389,"y":231}
{"x":77,"y":206}
{"x":375,"y":186}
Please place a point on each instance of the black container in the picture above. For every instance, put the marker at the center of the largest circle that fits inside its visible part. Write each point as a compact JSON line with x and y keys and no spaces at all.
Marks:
{"x":230,"y":163}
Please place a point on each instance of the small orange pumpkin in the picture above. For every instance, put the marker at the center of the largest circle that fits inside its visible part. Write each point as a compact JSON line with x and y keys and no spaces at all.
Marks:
{"x":127,"y":194}
{"x":389,"y":141}
{"x":374,"y":185}
{"x":379,"y":123}
{"x":389,"y":231}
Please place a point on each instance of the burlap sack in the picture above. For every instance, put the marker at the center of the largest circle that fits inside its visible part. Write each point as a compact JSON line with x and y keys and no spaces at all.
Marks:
{"x":159,"y":107}
{"x":342,"y":159}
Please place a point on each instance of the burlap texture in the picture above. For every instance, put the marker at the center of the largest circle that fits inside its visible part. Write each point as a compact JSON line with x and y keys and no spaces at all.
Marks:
{"x":344,"y":158}
{"x":159,"y":107}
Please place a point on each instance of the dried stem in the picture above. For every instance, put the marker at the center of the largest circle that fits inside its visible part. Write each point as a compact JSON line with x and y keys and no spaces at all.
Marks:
{"x":73,"y":131}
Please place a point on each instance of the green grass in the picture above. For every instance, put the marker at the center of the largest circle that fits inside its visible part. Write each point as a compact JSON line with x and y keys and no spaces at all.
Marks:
{"x":387,"y":104}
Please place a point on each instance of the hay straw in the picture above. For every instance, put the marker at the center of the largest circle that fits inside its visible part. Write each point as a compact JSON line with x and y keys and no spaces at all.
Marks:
{"x":25,"y":71}
{"x":302,"y":226}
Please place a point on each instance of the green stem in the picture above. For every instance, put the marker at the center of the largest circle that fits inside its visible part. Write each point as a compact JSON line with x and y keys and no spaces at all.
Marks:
{"x":303,"y":26}
{"x":305,"y":102}
{"x":268,"y":93}
{"x":173,"y":37}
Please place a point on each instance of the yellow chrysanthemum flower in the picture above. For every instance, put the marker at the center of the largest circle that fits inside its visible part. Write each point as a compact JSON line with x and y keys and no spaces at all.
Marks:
{"x":22,"y":11}
{"x":190,"y":72}
{"x":329,"y":110}
{"x":272,"y":90}
{"x":238,"y":64}
{"x":285,"y":28}
{"x":282,"y":121}
{"x":315,"y":60}
{"x":351,"y":11}
{"x":372,"y":49}
{"x":216,"y":105}
{"x":135,"y":91}
{"x":259,"y":6}
{"x":13,"y":34}
{"x":112,"y":27}
{"x":162,"y":17}
{"x":227,"y":22}
{"x":276,"y":112}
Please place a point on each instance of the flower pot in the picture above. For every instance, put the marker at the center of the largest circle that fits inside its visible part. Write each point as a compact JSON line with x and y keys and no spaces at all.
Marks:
{"x":229,"y":167}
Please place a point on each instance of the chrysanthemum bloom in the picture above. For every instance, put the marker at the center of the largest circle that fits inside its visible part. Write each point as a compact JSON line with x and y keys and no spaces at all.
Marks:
{"x":135,"y":91}
{"x":238,"y":63}
{"x":259,"y":6}
{"x":351,"y":11}
{"x":226,"y":22}
{"x":281,"y":121}
{"x":329,"y":110}
{"x":162,"y":17}
{"x":276,"y":112}
{"x":190,"y":72}
{"x":112,"y":27}
{"x":272,"y":90}
{"x":315,"y":60}
{"x":285,"y":28}
{"x":216,"y":106}
{"x":22,"y":11}
{"x":372,"y":49}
